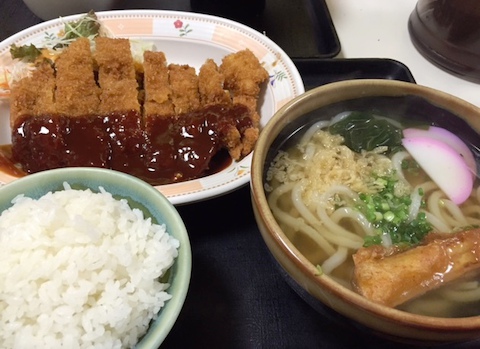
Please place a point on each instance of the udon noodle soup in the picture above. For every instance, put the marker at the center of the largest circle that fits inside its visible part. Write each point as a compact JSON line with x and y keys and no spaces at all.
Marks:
{"x":347,"y":183}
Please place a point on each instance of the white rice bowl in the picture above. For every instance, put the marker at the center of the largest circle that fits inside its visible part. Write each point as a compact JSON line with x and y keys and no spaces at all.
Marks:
{"x":80,"y":269}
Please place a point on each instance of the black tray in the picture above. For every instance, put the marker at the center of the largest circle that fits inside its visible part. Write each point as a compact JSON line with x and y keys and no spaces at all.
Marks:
{"x":316,"y":72}
{"x":302,"y":28}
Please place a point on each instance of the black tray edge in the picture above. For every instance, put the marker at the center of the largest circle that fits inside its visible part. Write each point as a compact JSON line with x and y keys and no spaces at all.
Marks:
{"x":318,"y":71}
{"x":322,"y":22}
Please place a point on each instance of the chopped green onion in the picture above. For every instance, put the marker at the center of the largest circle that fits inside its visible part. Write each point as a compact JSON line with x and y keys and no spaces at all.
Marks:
{"x":389,"y":214}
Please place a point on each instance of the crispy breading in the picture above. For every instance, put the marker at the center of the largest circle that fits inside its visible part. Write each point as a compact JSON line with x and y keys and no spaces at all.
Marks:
{"x":233,"y":142}
{"x":116,"y":75}
{"x":243,"y":73}
{"x":251,"y":103}
{"x":156,"y":85}
{"x":184,"y":84}
{"x":33,"y":95}
{"x":392,"y":277}
{"x":249,"y":140}
{"x":77,"y":93}
{"x":244,"y":76}
{"x":210,"y":85}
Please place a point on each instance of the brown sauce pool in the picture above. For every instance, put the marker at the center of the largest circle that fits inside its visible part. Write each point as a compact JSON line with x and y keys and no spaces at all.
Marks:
{"x":159,"y":150}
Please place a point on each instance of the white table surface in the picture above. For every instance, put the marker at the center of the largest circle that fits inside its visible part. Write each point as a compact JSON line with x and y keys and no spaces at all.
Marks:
{"x":378,"y":29}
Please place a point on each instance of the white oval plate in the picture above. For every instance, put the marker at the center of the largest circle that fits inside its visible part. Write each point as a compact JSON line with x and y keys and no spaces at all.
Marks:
{"x":185,"y":38}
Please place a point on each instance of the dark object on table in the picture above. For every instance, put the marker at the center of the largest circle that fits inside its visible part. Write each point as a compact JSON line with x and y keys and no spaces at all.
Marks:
{"x":301,"y":28}
{"x":316,"y":72}
{"x":447,"y":33}
{"x":233,"y":9}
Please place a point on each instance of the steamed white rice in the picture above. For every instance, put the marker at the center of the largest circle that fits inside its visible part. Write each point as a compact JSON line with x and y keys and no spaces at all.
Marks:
{"x":80,"y":270}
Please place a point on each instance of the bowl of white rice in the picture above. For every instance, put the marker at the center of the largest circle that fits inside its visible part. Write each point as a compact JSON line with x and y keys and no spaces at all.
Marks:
{"x":90,"y":258}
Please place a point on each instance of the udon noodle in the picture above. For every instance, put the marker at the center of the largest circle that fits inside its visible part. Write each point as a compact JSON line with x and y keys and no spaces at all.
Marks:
{"x":314,"y":190}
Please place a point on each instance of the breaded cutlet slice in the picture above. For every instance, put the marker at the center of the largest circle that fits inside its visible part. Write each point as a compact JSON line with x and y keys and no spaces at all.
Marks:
{"x":243,"y":73}
{"x":249,"y":139}
{"x":184,"y":84}
{"x":33,"y":95}
{"x":233,"y":142}
{"x":76,"y":92}
{"x":116,"y":76}
{"x":210,"y":85}
{"x":244,"y":76}
{"x":157,"y":88}
{"x":250,"y":135}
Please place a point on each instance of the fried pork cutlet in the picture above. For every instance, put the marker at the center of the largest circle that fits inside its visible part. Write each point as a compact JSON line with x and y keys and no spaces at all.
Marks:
{"x":162,"y":123}
{"x":249,"y":139}
{"x":211,"y":88}
{"x":77,"y":93}
{"x":392,"y":277}
{"x":33,"y":95}
{"x":184,"y":84}
{"x":156,"y":85}
{"x":116,"y":75}
{"x":211,"y":85}
{"x":243,"y":77}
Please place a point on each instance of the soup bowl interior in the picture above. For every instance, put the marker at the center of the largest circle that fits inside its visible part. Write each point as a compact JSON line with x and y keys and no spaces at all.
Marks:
{"x":393,"y":99}
{"x":139,"y":195}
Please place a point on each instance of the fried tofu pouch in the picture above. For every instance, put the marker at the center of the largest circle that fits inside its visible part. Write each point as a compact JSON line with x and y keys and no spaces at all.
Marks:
{"x":392,"y":277}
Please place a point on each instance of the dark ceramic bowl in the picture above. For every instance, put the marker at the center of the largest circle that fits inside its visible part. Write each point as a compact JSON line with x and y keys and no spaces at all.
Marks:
{"x":447,"y":33}
{"x":383,"y":97}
